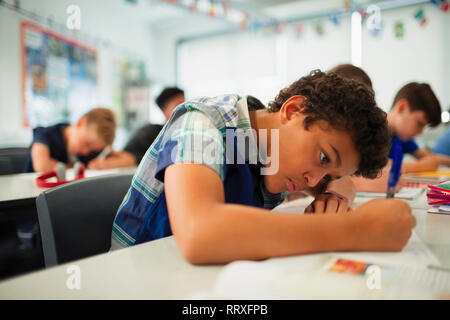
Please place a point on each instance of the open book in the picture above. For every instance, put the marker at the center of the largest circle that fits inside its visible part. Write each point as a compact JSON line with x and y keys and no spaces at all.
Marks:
{"x":337,"y":275}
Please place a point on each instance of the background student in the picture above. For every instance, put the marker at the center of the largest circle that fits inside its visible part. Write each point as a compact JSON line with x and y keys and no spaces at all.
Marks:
{"x":415,"y":105}
{"x":68,"y":143}
{"x":379,"y":184}
{"x":442,"y":145}
{"x":328,"y":128}
{"x":135,"y":149}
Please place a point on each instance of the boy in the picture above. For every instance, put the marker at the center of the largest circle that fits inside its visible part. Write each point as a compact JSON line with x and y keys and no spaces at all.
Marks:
{"x":67,"y":143}
{"x":379,"y":184}
{"x":316,"y":132}
{"x":415,"y":106}
{"x":442,"y":145}
{"x":133,"y":152}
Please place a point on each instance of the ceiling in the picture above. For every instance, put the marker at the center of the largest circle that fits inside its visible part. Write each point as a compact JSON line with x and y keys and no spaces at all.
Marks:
{"x":170,"y":17}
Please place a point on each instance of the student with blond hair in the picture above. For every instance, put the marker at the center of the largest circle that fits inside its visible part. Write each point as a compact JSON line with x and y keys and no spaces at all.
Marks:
{"x":68,"y":143}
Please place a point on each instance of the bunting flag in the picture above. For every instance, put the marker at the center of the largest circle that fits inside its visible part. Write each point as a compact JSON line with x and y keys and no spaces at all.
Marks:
{"x":420,"y":16}
{"x":399,"y":30}
{"x":334,"y":19}
{"x":363,"y":15}
{"x":193,"y":6}
{"x":298,"y":30}
{"x":370,"y":17}
{"x":243,"y":25}
{"x":348,"y":4}
{"x":376,"y":31}
{"x":212,"y":8}
{"x":442,"y":4}
{"x":319,"y":28}
{"x":280,"y":27}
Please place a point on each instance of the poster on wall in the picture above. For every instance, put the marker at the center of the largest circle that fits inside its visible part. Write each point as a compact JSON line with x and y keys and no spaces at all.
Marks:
{"x":59,"y":77}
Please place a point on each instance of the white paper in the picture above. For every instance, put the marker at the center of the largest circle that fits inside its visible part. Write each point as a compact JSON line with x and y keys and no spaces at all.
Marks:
{"x":405,"y":193}
{"x":308,"y":277}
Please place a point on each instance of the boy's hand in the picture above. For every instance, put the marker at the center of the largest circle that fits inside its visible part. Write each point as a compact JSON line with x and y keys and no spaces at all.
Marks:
{"x":328,"y":203}
{"x":383,"y":225}
{"x":97,"y":164}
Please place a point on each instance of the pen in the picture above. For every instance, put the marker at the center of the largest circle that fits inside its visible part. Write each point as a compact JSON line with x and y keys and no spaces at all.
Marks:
{"x":105,"y":152}
{"x":394,"y":173}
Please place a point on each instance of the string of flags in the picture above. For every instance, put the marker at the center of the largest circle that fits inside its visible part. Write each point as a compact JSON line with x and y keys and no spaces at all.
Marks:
{"x":246,"y":21}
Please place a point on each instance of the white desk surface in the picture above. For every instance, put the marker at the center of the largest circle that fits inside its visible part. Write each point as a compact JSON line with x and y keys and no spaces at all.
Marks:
{"x":157,"y":270}
{"x":23,"y":185}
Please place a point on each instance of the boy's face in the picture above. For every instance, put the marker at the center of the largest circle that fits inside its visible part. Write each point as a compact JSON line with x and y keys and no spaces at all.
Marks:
{"x":408,"y":124}
{"x":85,"y":140}
{"x":307,"y":156}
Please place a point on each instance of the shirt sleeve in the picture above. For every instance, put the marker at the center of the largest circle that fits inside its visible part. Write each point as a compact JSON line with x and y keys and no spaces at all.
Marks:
{"x":41,"y":135}
{"x":410,"y":146}
{"x":191,"y":138}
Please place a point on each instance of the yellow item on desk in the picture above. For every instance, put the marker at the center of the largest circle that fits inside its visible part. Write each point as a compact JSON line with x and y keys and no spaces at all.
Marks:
{"x":433,"y":173}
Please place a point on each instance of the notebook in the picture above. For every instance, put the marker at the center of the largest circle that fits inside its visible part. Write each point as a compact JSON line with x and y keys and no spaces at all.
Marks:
{"x":406,"y":193}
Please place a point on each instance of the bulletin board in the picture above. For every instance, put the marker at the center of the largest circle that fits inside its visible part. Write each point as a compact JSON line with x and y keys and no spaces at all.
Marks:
{"x":59,"y":77}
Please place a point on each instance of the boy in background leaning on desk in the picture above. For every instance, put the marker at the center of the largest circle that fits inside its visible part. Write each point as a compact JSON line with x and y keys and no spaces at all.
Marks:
{"x":379,"y":184}
{"x":135,"y":149}
{"x":68,"y":143}
{"x":200,"y":184}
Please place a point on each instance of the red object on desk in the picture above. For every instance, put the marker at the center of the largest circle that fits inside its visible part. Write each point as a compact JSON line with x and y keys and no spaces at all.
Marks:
{"x":42,"y":182}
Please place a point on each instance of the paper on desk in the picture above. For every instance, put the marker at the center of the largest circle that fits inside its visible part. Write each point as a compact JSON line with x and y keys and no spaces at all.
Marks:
{"x":304,"y":276}
{"x":406,"y":193}
{"x":439,"y":210}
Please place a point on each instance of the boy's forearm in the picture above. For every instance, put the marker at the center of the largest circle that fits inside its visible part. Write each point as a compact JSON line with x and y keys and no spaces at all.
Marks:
{"x":428,"y":163}
{"x":44,"y":165}
{"x":253,"y":233}
{"x":444,"y":160}
{"x":121,"y":159}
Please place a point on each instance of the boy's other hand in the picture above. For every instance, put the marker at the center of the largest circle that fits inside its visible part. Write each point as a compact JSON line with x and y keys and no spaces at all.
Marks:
{"x":97,"y":164}
{"x":427,"y":163}
{"x":383,"y":225}
{"x":328,"y":203}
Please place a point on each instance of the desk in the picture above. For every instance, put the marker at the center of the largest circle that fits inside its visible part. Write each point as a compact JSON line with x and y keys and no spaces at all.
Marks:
{"x":157,"y":270}
{"x":18,"y":193}
{"x":21,"y":188}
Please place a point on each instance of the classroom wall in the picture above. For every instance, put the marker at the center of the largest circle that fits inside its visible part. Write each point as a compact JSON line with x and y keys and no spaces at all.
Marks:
{"x":126,"y":29}
{"x":422,"y":55}
{"x":261,"y":64}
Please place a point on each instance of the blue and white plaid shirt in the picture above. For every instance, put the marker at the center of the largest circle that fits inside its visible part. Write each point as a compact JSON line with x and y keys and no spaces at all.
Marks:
{"x":195,"y":133}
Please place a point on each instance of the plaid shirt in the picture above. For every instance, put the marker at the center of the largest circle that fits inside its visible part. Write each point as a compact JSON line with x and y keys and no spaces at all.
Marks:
{"x":195,"y":133}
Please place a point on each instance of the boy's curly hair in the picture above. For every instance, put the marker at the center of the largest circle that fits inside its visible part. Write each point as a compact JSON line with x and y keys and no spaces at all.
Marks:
{"x":345,"y":105}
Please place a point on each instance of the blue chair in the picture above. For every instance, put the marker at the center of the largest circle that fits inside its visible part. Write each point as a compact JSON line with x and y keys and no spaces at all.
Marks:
{"x":76,"y":218}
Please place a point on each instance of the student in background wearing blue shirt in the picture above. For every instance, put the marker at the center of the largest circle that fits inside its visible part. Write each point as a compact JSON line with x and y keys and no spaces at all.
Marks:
{"x":349,"y":71}
{"x":68,"y":143}
{"x":415,"y":106}
{"x":443,"y":143}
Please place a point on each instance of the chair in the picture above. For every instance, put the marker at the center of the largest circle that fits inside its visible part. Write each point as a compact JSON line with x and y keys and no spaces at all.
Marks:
{"x":12,"y":160}
{"x":76,"y":218}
